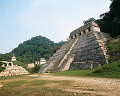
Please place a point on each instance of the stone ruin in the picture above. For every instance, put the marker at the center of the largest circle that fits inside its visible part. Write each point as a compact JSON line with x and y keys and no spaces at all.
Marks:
{"x":85,"y":49}
{"x":32,"y":65}
{"x":13,"y":58}
{"x":41,"y":62}
{"x":12,"y":69}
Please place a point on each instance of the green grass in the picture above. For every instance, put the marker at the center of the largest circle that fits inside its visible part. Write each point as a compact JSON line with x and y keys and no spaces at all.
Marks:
{"x":74,"y":73}
{"x":114,"y":50}
{"x":16,"y":83}
{"x":17,"y":77}
{"x":24,"y":87}
{"x":20,"y":64}
{"x":44,"y":82}
{"x":114,"y":46}
{"x":111,"y":70}
{"x":39,"y":82}
{"x":12,"y":77}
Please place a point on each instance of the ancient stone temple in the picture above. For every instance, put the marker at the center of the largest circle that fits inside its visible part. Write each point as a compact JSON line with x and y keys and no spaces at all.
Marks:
{"x":13,"y":58}
{"x":11,"y":69}
{"x":85,"y":49}
{"x":42,"y":61}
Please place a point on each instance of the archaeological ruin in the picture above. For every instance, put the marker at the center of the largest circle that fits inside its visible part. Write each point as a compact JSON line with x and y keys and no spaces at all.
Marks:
{"x":85,"y":49}
{"x":13,"y":58}
{"x":11,"y":69}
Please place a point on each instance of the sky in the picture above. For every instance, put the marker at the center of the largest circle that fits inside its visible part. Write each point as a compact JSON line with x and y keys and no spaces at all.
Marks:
{"x":21,"y":20}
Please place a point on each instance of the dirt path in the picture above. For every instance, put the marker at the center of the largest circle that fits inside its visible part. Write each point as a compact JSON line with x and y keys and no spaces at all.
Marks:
{"x":89,"y":85}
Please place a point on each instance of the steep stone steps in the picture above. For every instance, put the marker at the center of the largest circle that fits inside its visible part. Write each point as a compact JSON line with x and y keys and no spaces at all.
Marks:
{"x":102,"y":38}
{"x":58,"y":63}
{"x":52,"y":64}
{"x":88,"y":49}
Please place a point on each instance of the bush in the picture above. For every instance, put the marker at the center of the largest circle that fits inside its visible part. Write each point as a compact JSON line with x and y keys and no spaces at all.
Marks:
{"x":35,"y":69}
{"x":1,"y":63}
{"x":112,"y":68}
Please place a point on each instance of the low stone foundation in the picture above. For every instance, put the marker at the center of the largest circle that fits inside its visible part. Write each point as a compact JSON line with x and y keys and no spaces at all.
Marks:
{"x":84,"y":65}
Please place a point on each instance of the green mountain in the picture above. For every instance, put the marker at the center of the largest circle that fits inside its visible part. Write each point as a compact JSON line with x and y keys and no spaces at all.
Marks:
{"x":33,"y":49}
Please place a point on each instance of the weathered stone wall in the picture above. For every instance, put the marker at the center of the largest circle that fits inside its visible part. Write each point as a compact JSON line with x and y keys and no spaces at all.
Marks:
{"x":32,"y":65}
{"x":84,"y":65}
{"x":80,"y":65}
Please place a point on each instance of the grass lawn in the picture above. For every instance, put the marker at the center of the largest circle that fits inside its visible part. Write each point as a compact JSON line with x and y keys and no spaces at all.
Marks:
{"x":111,"y":70}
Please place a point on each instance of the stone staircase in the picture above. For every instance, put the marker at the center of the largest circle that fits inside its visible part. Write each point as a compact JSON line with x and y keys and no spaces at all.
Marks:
{"x":91,"y":47}
{"x":66,"y":63}
{"x":56,"y":61}
{"x":102,"y":38}
{"x":68,"y":59}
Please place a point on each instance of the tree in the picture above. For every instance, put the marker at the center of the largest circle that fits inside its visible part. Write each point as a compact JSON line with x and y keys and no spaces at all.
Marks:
{"x":36,"y":68}
{"x":1,"y":63}
{"x":111,"y":21}
{"x":89,"y":20}
{"x":115,"y":8}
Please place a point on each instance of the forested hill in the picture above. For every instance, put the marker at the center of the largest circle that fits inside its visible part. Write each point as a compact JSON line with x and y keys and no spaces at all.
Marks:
{"x":33,"y":49}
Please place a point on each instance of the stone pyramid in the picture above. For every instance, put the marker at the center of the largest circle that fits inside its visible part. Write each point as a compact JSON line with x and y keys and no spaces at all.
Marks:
{"x":85,"y":49}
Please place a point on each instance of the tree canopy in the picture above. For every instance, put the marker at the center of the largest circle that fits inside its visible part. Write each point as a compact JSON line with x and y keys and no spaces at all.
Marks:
{"x":111,"y":21}
{"x":1,"y":63}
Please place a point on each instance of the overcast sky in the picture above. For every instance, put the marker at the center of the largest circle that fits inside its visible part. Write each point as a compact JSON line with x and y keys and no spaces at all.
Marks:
{"x":21,"y":20}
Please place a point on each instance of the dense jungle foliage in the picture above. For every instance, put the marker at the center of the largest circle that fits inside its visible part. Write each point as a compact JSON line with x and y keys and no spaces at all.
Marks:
{"x":111,"y":21}
{"x":1,"y":63}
